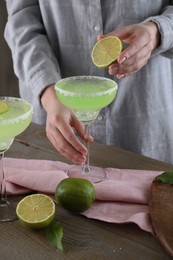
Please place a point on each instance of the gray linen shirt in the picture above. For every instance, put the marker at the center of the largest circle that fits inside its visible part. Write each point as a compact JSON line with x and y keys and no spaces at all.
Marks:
{"x":52,"y":39}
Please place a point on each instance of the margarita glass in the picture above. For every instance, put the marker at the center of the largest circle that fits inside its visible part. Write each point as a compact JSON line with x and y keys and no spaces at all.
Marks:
{"x":86,"y":96}
{"x":13,"y":121}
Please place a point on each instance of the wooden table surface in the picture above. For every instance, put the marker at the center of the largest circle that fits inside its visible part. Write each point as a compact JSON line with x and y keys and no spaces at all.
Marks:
{"x":83,"y":238}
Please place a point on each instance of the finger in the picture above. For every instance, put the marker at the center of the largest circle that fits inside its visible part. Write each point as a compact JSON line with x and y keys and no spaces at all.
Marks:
{"x":79,"y":127}
{"x":122,"y":33}
{"x":99,"y":37}
{"x":134,"y":65}
{"x":127,"y":71}
{"x":134,"y":47}
{"x":80,"y":130}
{"x":133,"y":68}
{"x":131,"y":65}
{"x":125,"y":75}
{"x":64,"y":147}
{"x":68,"y":133}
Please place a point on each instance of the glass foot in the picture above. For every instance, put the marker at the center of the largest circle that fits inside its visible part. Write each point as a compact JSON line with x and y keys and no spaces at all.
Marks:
{"x":93,"y":174}
{"x":8,"y":211}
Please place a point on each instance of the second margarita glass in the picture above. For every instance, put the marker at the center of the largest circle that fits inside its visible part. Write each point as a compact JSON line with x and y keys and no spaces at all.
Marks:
{"x":13,"y":121}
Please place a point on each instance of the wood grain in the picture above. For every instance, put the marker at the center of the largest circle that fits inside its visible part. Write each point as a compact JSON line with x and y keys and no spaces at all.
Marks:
{"x":83,"y":238}
{"x":161,"y":212}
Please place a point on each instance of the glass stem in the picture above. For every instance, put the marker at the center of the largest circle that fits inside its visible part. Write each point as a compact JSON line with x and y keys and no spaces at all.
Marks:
{"x":86,"y":166}
{"x":3,"y":186}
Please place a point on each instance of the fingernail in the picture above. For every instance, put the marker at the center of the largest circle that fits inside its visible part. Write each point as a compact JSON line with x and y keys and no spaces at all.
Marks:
{"x":110,"y":72}
{"x":121,"y":60}
{"x":113,"y":70}
{"x":80,"y":162}
{"x":120,"y":76}
{"x":84,"y":153}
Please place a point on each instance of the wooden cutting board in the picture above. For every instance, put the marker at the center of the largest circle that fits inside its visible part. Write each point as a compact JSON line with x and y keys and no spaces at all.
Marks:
{"x":161,"y":213}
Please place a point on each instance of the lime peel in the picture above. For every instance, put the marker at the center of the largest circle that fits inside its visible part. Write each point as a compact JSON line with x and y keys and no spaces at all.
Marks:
{"x":75,"y":194}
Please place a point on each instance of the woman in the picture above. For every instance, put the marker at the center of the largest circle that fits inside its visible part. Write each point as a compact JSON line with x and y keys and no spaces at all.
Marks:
{"x":51,"y":40}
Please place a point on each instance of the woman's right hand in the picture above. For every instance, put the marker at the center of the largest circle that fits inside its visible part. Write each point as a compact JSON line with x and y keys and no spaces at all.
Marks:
{"x":59,"y":128}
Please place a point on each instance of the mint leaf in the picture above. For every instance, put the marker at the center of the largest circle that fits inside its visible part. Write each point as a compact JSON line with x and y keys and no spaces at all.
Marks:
{"x":166,"y":177}
{"x":54,"y":235}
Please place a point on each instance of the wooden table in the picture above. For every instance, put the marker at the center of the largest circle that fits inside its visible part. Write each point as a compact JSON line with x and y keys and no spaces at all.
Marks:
{"x":83,"y":238}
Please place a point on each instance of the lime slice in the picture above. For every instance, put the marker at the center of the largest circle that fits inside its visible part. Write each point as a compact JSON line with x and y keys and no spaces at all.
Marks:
{"x":36,"y":211}
{"x":3,"y":107}
{"x":106,"y":51}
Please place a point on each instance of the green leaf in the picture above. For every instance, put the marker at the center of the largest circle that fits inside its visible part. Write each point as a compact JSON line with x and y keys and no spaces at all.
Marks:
{"x":54,"y":235}
{"x":166,"y":177}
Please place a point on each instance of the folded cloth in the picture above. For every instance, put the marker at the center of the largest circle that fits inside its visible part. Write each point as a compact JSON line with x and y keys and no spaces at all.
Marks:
{"x":121,"y":198}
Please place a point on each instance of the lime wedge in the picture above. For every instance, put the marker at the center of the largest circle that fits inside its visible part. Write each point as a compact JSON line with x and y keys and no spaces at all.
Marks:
{"x":36,"y":211}
{"x":106,"y":51}
{"x":3,"y":107}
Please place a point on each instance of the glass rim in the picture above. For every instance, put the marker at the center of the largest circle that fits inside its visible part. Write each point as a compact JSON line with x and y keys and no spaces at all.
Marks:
{"x":62,"y":91}
{"x":23,"y":116}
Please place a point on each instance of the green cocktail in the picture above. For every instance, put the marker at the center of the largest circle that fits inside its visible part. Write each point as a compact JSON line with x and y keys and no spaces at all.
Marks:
{"x":86,"y":96}
{"x":13,"y":121}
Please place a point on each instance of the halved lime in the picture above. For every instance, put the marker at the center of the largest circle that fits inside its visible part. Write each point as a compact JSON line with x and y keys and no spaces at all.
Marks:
{"x":106,"y":51}
{"x":36,"y":211}
{"x":3,"y":107}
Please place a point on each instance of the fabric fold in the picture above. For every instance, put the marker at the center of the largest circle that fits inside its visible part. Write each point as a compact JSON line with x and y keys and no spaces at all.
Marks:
{"x":121,"y":198}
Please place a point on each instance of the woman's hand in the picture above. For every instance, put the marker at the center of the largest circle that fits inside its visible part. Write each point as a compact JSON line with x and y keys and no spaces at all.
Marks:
{"x":142,"y":39}
{"x":59,"y":128}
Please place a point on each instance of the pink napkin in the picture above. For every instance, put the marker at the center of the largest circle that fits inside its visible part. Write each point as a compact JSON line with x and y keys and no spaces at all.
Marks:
{"x":121,"y":198}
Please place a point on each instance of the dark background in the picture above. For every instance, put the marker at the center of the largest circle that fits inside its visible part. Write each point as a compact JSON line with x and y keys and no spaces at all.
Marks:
{"x":8,"y":81}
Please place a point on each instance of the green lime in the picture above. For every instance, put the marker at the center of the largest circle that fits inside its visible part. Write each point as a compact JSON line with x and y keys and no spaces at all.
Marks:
{"x":3,"y":107}
{"x":106,"y":51}
{"x":36,"y":211}
{"x":75,"y":194}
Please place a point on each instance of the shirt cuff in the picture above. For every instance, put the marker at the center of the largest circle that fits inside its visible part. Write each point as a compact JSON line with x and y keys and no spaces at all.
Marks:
{"x":41,"y":80}
{"x":165,"y":27}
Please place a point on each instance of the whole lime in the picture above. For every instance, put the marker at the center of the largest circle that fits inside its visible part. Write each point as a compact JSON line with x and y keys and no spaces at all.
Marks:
{"x":75,"y":194}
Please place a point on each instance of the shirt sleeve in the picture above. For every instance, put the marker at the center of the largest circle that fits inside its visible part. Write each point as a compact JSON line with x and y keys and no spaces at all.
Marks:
{"x":164,"y":23}
{"x":34,"y":61}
